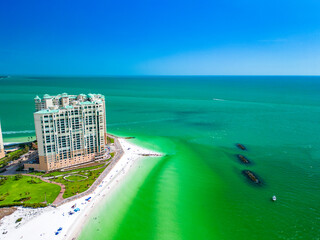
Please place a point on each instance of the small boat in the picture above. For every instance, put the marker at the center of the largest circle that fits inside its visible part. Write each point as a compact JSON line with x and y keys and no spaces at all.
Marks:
{"x":274,"y":198}
{"x":59,"y":229}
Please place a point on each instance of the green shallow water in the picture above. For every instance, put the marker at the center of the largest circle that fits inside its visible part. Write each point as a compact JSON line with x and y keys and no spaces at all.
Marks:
{"x":197,"y":190}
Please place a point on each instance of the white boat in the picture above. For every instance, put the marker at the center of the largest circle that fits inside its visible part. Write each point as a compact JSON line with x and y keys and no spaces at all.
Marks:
{"x":274,"y":198}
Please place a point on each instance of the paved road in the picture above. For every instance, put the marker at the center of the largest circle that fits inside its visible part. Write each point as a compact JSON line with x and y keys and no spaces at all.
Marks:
{"x":11,"y":170}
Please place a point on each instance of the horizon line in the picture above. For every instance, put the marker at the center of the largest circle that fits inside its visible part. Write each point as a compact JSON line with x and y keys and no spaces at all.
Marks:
{"x":3,"y":76}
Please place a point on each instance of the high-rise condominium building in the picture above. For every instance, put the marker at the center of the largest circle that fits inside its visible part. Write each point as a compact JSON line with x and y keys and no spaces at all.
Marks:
{"x":2,"y":153}
{"x":70,"y":129}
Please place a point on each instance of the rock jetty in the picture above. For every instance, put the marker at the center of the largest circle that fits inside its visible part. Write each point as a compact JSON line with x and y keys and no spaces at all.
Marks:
{"x":251,"y":176}
{"x":241,"y":146}
{"x":243,"y":159}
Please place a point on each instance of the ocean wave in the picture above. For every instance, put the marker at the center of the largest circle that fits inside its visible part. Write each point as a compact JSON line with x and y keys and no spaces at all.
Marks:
{"x":17,"y":132}
{"x":218,"y":99}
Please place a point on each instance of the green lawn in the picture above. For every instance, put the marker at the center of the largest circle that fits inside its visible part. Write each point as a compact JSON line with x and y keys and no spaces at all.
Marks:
{"x":26,"y":189}
{"x":81,"y":184}
{"x":57,"y":173}
{"x":37,"y":173}
{"x":75,"y":178}
{"x":79,"y":170}
{"x":73,"y":188}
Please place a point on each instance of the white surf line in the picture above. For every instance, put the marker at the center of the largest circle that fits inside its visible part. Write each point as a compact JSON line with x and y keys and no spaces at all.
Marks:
{"x":16,"y":132}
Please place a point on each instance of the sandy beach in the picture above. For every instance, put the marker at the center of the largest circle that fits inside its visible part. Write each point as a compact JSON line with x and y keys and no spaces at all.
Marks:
{"x":43,"y":223}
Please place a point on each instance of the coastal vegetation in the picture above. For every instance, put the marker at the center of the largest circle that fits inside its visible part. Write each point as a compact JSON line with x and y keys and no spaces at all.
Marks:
{"x":75,"y":178}
{"x":74,"y":171}
{"x":78,"y":170}
{"x":79,"y":183}
{"x":110,"y":139}
{"x":32,"y":191}
{"x":20,"y":190}
{"x":79,"y":179}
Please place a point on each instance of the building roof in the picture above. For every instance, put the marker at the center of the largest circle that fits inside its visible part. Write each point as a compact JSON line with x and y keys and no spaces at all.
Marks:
{"x":45,"y":111}
{"x":46,"y":96}
{"x":86,"y":103}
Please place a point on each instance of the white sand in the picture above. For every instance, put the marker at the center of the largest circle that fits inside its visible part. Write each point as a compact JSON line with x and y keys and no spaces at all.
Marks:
{"x":43,"y":223}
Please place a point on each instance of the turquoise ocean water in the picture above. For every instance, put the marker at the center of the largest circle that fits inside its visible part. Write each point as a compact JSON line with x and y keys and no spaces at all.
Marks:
{"x":197,"y":190}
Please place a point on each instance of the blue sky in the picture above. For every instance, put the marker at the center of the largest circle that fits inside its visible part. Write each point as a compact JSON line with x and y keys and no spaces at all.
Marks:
{"x":165,"y":37}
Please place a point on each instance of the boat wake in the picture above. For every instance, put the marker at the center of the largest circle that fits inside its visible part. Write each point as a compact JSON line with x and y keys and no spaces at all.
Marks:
{"x":218,"y":99}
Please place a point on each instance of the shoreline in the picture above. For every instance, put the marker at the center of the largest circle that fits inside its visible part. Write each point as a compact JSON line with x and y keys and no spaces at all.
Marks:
{"x":43,"y":223}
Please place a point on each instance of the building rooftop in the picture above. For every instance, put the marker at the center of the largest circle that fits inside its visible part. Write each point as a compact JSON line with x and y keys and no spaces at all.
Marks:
{"x":52,"y":104}
{"x":47,"y":111}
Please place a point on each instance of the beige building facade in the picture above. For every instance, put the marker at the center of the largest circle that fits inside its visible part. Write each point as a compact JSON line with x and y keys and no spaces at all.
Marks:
{"x":70,"y":130}
{"x":2,"y":152}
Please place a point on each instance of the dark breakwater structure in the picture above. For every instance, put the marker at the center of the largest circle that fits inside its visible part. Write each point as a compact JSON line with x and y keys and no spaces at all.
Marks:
{"x":252,"y":177}
{"x":243,"y":159}
{"x":241,"y":146}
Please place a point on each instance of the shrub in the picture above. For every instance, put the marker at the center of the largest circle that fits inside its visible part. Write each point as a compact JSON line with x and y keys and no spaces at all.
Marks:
{"x":17,"y":177}
{"x":23,"y":199}
{"x":33,"y":181}
{"x":3,"y":180}
{"x":28,"y":205}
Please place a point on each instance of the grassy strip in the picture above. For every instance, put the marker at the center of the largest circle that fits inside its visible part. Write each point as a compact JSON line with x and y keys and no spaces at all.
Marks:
{"x":28,"y":205}
{"x":37,"y":173}
{"x":26,"y":191}
{"x":110,"y":140}
{"x":57,"y":173}
{"x":79,"y":170}
{"x":73,"y":188}
{"x":13,"y":156}
{"x":75,"y":177}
